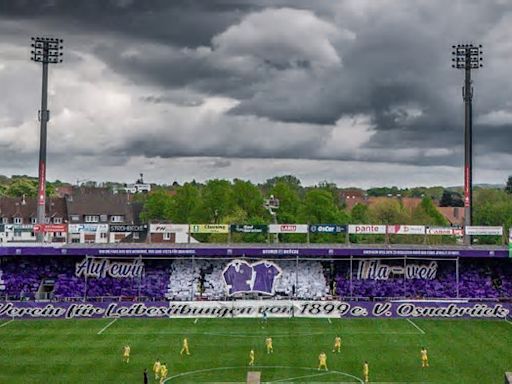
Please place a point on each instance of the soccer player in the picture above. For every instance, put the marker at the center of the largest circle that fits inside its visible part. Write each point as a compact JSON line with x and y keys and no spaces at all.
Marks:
{"x":322,"y":361}
{"x":146,"y":376}
{"x":184,"y":349}
{"x":268,"y":343}
{"x":424,"y":357}
{"x":126,"y":354}
{"x":263,"y":318}
{"x":337,"y":344}
{"x":163,"y":372}
{"x":251,"y":357}
{"x":366,"y":372}
{"x":156,"y":368}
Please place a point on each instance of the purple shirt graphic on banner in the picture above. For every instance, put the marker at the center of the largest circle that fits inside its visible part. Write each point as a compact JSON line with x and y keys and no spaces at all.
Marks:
{"x":266,"y":275}
{"x":238,"y":276}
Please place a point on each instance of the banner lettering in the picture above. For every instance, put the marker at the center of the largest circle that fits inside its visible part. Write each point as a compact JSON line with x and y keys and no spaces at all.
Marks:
{"x":327,"y":228}
{"x":249,"y":228}
{"x":484,"y":231}
{"x":367,"y":229}
{"x":406,"y":229}
{"x":209,"y":228}
{"x":255,"y":309}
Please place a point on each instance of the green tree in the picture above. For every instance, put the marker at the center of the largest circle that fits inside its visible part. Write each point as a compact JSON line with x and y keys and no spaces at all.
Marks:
{"x":388,"y":211}
{"x":20,"y":187}
{"x":186,"y":205}
{"x":157,"y":206}
{"x":508,"y":187}
{"x":248,"y":197}
{"x":360,"y":214}
{"x":218,"y":200}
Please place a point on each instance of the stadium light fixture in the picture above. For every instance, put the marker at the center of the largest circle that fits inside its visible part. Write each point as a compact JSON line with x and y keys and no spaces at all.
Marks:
{"x":45,"y":50}
{"x":467,"y":57}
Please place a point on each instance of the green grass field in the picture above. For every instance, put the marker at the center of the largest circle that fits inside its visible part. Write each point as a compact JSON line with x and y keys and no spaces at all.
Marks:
{"x":72,"y":351}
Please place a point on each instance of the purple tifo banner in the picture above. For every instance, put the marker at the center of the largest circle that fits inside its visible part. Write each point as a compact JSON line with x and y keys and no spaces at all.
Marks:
{"x":256,"y":308}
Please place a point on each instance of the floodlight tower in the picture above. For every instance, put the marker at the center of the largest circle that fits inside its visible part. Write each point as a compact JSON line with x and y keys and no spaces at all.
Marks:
{"x":467,"y":57}
{"x":45,"y":50}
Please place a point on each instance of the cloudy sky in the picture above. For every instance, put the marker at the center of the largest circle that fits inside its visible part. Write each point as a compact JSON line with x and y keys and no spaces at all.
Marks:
{"x":356,"y":92}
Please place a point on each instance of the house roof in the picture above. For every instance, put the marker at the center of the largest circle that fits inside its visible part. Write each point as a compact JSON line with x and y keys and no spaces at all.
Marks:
{"x":27,"y":207}
{"x":454,"y":215}
{"x":100,"y":202}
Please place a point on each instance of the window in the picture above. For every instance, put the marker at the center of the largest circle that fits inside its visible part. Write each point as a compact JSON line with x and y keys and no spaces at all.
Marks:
{"x":75,"y":218}
{"x":103,"y":235}
{"x":104,"y":218}
{"x":117,"y":219}
{"x":5,"y":220}
{"x":33,"y":220}
{"x":167,"y":235}
{"x":18,"y":220}
{"x":57,"y":220}
{"x":91,"y":219}
{"x":47,"y":220}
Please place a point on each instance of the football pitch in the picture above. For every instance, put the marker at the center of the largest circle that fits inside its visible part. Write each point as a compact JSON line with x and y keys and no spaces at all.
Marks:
{"x":90,"y":351}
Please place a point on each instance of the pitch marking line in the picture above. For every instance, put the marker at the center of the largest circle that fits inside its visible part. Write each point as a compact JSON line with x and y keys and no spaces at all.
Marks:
{"x":508,"y":321}
{"x":7,"y":322}
{"x":260,"y":366}
{"x":415,"y":326}
{"x":196,"y":320}
{"x":279,"y":335}
{"x":300,"y":377}
{"x":329,"y":320}
{"x":106,"y":326}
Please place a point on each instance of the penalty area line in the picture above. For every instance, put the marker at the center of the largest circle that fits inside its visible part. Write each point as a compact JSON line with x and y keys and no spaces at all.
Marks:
{"x":415,"y":326}
{"x":106,"y":326}
{"x":7,"y":322}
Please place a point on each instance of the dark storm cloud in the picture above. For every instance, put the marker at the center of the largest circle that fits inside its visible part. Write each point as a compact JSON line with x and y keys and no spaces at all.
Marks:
{"x":293,"y":64}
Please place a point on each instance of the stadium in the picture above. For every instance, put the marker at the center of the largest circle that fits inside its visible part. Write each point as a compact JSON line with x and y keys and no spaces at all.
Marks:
{"x":84,"y":302}
{"x":204,"y":277}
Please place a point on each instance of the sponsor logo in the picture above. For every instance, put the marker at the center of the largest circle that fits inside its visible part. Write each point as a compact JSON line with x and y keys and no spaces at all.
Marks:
{"x":327,"y":228}
{"x":209,"y":228}
{"x":444,"y":231}
{"x":484,"y":231}
{"x":367,"y":229}
{"x":128,"y":228}
{"x":247,"y":228}
{"x":406,"y":229}
{"x":45,"y":228}
{"x":100,"y":268}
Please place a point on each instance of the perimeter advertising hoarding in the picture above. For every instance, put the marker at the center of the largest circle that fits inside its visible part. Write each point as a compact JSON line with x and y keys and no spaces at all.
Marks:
{"x":484,"y":231}
{"x":367,"y":229}
{"x":406,"y":229}
{"x":209,"y":228}
{"x":46,"y":228}
{"x":168,"y":228}
{"x":255,"y":308}
{"x":88,"y":228}
{"x":445,"y":231}
{"x":19,"y":228}
{"x":139,"y":228}
{"x":249,"y":228}
{"x":288,"y":228}
{"x":327,"y":228}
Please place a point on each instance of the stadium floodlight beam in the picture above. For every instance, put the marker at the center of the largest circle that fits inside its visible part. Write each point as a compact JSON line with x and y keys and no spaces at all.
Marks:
{"x":45,"y":50}
{"x":467,"y":57}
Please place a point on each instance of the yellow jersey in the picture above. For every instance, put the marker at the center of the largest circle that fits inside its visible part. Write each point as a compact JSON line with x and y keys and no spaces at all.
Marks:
{"x":126,"y":350}
{"x":268,"y":342}
{"x":163,"y":371}
{"x":366,"y":369}
{"x":424,"y":355}
{"x":337,"y":341}
{"x":322,"y":357}
{"x":156,"y":367}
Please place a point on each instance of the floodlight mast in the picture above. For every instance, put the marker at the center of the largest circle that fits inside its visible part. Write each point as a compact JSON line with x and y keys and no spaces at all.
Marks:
{"x":45,"y":50}
{"x":467,"y":57}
